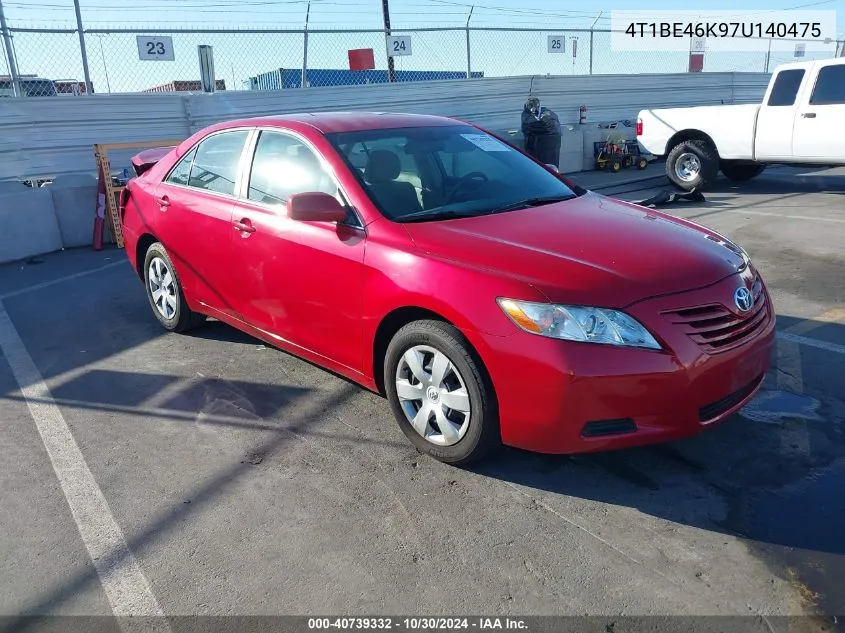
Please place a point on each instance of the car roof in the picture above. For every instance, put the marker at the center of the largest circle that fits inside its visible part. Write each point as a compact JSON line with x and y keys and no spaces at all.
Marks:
{"x":330,"y":122}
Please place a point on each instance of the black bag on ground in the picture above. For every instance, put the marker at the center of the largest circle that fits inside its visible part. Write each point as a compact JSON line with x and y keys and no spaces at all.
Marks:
{"x":541,"y":130}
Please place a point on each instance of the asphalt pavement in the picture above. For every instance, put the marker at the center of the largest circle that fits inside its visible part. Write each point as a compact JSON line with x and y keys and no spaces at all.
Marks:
{"x":147,"y":472}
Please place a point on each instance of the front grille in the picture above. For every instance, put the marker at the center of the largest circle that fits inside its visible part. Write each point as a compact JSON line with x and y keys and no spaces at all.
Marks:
{"x":717,"y":329}
{"x":715,"y":409}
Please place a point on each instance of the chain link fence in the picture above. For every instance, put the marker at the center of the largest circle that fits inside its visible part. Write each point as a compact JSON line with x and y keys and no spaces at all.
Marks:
{"x":49,"y":62}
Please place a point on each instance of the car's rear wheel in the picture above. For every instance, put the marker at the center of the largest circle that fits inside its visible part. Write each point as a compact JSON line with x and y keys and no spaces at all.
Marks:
{"x":692,"y":165}
{"x":164,"y":291}
{"x":440,"y":394}
{"x":741,"y":172}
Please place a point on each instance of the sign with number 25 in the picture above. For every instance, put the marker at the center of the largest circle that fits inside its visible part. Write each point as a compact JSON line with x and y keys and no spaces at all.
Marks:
{"x":557,"y":43}
{"x":155,"y":48}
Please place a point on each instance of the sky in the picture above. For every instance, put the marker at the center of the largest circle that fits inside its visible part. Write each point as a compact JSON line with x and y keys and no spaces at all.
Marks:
{"x":115,"y":65}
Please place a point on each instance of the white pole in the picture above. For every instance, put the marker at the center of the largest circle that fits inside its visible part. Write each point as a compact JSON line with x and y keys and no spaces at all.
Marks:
{"x":89,"y":88}
{"x":305,"y":47}
{"x":593,"y":26}
{"x":469,"y":57}
{"x":10,"y":54}
{"x":105,"y":66}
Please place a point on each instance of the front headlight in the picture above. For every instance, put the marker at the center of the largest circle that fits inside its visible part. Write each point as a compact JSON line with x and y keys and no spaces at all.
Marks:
{"x":578,"y":323}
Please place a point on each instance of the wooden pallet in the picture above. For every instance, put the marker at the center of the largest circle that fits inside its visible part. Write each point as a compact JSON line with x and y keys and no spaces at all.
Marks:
{"x":101,"y":154}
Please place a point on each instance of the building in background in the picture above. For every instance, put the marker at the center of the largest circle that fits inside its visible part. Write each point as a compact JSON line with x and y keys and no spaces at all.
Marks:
{"x":179,"y":85}
{"x":284,"y":78}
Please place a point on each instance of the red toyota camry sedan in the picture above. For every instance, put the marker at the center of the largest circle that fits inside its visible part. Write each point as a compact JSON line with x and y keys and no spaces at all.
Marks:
{"x":488,"y":298}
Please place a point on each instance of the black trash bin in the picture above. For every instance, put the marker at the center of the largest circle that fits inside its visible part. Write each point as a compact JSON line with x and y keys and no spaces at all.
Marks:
{"x":541,"y":130}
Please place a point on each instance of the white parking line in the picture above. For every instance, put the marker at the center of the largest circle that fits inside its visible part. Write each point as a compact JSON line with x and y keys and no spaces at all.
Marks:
{"x":61,"y":280}
{"x":126,"y":587}
{"x":794,"y":436}
{"x":809,"y":218}
{"x":812,"y":342}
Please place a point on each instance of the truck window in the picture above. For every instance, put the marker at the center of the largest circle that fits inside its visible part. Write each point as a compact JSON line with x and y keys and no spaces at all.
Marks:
{"x":786,"y":87}
{"x":830,"y":86}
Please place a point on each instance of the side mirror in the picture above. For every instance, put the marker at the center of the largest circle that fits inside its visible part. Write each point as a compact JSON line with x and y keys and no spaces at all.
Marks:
{"x":315,"y":206}
{"x":553,"y":168}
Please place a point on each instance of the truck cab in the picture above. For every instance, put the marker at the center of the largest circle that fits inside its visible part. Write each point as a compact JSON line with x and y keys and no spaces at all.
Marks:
{"x":801,"y":120}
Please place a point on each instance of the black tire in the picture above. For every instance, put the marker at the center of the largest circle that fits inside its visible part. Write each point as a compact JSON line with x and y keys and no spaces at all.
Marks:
{"x":615,"y":165}
{"x":741,"y":172}
{"x":482,"y":434}
{"x":706,"y":157}
{"x":642,"y":163}
{"x":183,"y":318}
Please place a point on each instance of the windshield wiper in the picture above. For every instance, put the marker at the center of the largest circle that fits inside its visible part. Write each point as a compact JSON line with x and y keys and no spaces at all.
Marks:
{"x":427,"y":214}
{"x":531,"y":202}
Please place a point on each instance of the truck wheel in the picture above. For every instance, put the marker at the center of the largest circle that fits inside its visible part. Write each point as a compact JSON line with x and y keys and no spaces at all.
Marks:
{"x":692,"y":165}
{"x":740,"y":172}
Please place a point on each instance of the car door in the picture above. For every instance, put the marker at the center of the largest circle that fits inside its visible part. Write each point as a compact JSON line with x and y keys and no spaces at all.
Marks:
{"x":820,"y":122}
{"x":300,"y":281}
{"x":773,"y":136}
{"x":195,"y":202}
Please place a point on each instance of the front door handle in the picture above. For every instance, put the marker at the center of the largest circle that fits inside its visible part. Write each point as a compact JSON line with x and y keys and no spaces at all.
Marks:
{"x":245,"y":226}
{"x":809,"y":115}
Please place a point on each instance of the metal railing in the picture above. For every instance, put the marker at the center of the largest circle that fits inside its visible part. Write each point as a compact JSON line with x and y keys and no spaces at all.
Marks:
{"x":53,"y":62}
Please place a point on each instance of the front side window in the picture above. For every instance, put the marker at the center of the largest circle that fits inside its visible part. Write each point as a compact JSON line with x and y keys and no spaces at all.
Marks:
{"x":427,"y":173}
{"x":830,"y":86}
{"x":215,"y":166}
{"x":283,"y":166}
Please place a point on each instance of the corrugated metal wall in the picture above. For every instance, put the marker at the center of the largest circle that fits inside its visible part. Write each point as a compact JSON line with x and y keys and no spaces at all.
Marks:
{"x":50,"y":136}
{"x":53,"y":136}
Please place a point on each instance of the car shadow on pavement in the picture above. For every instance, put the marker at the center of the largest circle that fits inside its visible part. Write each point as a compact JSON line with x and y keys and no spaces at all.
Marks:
{"x":776,"y":182}
{"x":302,"y":419}
{"x":767,"y":474}
{"x":771,"y":475}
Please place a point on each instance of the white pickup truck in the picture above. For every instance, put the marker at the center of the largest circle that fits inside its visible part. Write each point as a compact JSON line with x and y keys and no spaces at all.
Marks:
{"x":800,"y":121}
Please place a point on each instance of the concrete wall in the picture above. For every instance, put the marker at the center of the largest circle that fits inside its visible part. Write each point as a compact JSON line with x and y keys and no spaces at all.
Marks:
{"x":54,"y":138}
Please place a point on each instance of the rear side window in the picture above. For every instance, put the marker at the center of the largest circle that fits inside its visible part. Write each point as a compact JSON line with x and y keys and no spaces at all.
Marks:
{"x":786,"y":86}
{"x":182,"y":172}
{"x":830,"y":86}
{"x":216,"y":162}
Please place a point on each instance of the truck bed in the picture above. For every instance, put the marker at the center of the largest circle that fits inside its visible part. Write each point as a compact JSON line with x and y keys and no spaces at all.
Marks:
{"x":731,"y":127}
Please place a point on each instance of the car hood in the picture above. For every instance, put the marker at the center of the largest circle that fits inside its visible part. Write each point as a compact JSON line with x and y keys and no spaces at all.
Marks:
{"x":591,"y":250}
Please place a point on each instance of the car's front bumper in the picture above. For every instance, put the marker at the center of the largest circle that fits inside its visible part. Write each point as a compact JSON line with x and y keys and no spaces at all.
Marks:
{"x":563,"y":397}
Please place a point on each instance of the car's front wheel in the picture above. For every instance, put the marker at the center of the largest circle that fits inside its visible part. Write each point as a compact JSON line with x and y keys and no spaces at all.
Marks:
{"x":164,"y":291}
{"x":440,"y":394}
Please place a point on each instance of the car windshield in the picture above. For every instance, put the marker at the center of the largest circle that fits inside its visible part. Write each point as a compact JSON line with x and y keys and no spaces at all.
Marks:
{"x":419,"y":174}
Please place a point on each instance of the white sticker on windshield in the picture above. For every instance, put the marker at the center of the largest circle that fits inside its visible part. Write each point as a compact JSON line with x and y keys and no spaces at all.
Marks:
{"x":487,"y":143}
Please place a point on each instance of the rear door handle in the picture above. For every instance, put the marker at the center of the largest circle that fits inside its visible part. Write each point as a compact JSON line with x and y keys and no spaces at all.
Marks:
{"x":244,"y":226}
{"x":809,"y":115}
{"x":163,"y":202}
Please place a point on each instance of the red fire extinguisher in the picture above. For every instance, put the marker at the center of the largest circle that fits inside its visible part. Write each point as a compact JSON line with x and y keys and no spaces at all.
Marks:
{"x":582,"y":115}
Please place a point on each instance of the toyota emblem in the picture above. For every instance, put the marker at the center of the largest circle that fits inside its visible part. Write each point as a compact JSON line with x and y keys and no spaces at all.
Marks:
{"x":743,"y":299}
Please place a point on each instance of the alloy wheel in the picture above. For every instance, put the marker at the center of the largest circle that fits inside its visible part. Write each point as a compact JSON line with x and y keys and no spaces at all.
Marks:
{"x":687,"y":167}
